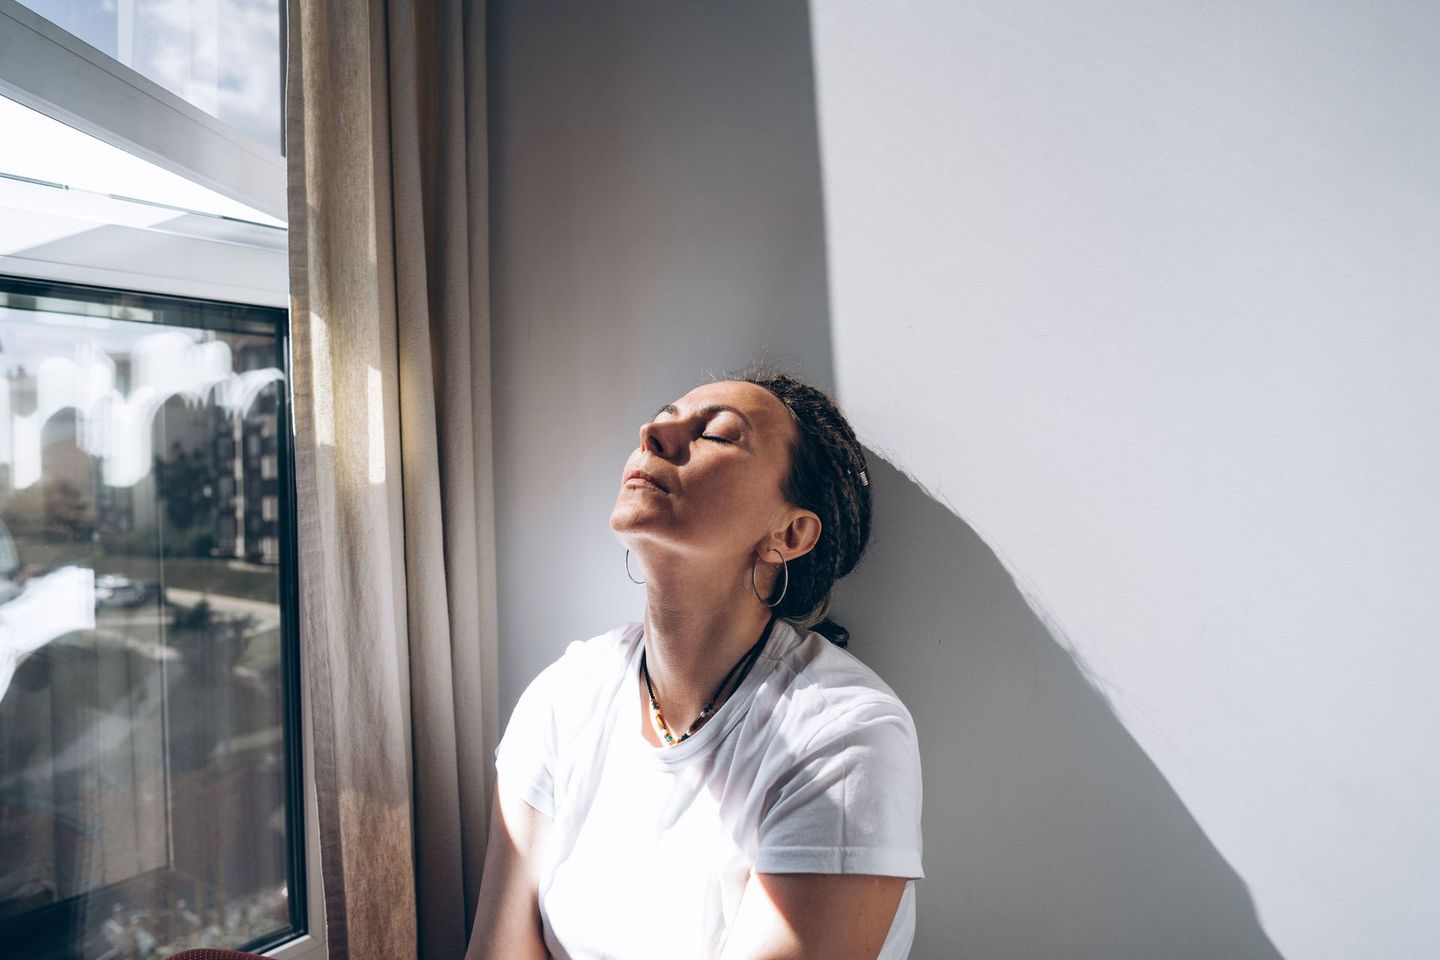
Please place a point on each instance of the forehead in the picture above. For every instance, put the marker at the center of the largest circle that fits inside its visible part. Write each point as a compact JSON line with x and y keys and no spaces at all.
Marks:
{"x":765,"y":411}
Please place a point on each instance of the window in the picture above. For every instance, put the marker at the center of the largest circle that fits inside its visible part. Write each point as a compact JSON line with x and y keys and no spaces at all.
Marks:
{"x":192,"y":86}
{"x":150,"y":775}
{"x":223,"y":56}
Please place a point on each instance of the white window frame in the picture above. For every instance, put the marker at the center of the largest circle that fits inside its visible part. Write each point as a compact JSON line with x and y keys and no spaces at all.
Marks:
{"x":55,"y":73}
{"x":310,"y":945}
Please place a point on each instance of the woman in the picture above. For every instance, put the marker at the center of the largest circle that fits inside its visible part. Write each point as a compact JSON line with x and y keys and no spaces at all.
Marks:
{"x":717,"y":780}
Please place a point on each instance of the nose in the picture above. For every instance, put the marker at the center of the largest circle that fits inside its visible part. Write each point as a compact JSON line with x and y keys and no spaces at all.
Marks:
{"x":662,"y":439}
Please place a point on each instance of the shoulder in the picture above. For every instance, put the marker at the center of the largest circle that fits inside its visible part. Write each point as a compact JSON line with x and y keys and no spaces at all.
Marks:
{"x":823,"y":693}
{"x":841,"y":768}
{"x":610,"y":648}
{"x":534,"y":751}
{"x":816,"y":676}
{"x":584,"y":671}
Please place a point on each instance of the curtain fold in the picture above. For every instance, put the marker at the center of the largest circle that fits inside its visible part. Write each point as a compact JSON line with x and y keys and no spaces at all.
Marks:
{"x":385,"y":133}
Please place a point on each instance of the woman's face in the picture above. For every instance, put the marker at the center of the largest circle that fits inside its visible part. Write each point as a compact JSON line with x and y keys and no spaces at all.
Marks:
{"x":720,"y":455}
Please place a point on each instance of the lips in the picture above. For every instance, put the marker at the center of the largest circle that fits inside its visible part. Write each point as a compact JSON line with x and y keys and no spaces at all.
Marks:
{"x":642,"y":475}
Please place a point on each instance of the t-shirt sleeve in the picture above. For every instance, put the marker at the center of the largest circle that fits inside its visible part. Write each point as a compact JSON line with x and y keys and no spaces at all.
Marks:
{"x":851,"y":800}
{"x":525,"y":756}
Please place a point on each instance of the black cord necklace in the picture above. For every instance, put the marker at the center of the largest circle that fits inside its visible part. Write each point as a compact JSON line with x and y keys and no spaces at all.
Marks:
{"x":748,"y":659}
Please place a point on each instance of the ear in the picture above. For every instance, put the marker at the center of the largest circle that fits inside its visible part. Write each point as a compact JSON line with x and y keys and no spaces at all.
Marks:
{"x":796,"y":538}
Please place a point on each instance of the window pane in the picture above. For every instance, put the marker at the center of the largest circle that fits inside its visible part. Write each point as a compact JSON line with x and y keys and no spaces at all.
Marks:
{"x":223,"y":56}
{"x":148,"y":747}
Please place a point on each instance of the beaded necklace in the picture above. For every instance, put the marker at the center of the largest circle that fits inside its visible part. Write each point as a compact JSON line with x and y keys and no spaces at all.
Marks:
{"x":658,"y":719}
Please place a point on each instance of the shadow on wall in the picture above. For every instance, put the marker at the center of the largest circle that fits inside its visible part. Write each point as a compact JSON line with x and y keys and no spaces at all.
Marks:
{"x":1048,"y":832}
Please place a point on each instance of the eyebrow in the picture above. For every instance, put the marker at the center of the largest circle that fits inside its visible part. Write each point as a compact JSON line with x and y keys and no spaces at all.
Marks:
{"x":707,"y":411}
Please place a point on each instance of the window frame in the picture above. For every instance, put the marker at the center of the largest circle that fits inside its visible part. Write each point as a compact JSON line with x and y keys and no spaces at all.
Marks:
{"x":302,"y":819}
{"x":49,"y":70}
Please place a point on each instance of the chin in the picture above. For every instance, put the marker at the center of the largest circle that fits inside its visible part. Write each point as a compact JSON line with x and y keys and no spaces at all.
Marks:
{"x":634,"y":529}
{"x":624,"y":518}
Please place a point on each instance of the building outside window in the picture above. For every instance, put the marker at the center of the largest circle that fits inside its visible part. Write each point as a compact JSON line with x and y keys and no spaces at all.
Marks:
{"x":148,"y":715}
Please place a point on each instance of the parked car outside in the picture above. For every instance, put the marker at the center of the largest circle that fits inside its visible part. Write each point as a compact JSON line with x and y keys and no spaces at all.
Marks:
{"x":113,"y":590}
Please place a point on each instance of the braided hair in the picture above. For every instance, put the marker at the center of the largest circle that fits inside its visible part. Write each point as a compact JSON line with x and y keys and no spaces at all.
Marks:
{"x":827,"y":475}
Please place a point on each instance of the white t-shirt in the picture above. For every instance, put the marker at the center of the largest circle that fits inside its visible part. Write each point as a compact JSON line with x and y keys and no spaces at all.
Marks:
{"x":811,"y":766}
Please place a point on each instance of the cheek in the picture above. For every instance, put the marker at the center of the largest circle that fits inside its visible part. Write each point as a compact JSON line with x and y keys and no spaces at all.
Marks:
{"x":740,"y":496}
{"x":726,"y":495}
{"x":754,"y":503}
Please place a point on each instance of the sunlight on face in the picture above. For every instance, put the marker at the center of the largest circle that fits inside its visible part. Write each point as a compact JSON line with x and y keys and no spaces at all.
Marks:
{"x":720,"y":455}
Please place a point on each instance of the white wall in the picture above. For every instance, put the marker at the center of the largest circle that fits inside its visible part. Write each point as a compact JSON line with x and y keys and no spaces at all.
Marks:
{"x":1147,"y":295}
{"x":1135,"y":305}
{"x":656,"y":217}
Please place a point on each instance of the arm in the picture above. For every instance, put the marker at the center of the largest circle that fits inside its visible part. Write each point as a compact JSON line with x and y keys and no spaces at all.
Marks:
{"x":799,"y":916}
{"x":507,"y":915}
{"x":837,"y":844}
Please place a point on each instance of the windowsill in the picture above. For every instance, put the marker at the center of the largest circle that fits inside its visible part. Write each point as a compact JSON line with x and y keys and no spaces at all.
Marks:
{"x":301,"y":948}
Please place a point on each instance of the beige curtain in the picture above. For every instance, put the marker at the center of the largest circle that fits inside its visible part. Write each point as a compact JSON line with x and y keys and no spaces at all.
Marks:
{"x":385,"y":135}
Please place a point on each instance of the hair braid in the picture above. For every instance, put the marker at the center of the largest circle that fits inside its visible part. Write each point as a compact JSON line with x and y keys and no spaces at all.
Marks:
{"x":826,"y":467}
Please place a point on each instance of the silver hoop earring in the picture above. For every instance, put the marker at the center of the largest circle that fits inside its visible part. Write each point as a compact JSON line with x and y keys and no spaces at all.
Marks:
{"x":756,"y":590}
{"x":627,"y":569}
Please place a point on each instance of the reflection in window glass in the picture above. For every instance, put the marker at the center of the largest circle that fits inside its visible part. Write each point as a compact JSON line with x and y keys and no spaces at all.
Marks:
{"x":148,"y":747}
{"x":222,"y":56}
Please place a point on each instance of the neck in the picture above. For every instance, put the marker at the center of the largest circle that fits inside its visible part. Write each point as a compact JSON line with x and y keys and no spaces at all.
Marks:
{"x":698,"y":622}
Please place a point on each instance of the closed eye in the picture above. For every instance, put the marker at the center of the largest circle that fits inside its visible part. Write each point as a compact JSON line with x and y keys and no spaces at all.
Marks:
{"x":716,"y":439}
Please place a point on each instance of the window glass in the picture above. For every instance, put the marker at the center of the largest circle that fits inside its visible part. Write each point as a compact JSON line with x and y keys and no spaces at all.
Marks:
{"x":223,"y":56}
{"x":148,"y":740}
